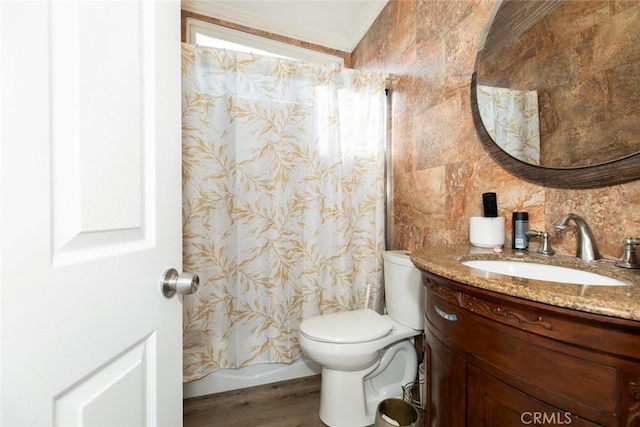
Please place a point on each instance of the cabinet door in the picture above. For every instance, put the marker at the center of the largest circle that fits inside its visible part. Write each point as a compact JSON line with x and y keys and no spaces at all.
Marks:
{"x":446,"y":380}
{"x":493,"y":403}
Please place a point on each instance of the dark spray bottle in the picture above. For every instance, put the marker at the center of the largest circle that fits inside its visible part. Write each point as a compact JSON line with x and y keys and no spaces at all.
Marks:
{"x":520,"y":226}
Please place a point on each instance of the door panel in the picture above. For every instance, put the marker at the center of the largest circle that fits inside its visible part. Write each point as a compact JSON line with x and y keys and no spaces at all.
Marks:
{"x":98,"y":142}
{"x":494,"y":403}
{"x":95,"y":400}
{"x":446,"y":399}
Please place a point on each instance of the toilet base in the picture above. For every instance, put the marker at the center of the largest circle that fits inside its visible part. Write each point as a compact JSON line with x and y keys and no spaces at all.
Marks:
{"x":350,"y":398}
{"x":342,"y":402}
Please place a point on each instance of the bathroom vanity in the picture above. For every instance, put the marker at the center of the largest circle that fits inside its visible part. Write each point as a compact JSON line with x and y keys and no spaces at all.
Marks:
{"x":509,"y":351}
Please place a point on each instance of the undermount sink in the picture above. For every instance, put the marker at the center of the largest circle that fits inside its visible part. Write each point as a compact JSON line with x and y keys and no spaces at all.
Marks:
{"x":548,"y":273}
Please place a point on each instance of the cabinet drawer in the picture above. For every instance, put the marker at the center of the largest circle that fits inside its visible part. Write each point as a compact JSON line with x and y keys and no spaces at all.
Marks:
{"x":552,"y":372}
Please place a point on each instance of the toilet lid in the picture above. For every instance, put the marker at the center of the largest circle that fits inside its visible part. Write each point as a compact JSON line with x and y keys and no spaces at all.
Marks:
{"x":347,"y":326}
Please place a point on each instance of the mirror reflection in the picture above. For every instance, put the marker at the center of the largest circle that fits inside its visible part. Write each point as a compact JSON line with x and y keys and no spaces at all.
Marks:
{"x":556,"y":84}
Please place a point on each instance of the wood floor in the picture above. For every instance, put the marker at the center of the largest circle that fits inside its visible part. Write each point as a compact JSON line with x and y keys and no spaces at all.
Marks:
{"x":293,"y":403}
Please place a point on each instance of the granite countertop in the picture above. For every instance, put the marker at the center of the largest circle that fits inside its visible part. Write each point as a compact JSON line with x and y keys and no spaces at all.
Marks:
{"x":616,"y":301}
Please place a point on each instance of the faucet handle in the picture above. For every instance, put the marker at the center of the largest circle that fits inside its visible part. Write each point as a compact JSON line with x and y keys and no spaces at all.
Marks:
{"x":545,"y":246}
{"x":629,"y":259}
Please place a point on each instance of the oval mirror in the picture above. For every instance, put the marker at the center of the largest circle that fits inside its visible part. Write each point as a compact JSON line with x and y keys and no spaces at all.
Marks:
{"x":554,"y":94}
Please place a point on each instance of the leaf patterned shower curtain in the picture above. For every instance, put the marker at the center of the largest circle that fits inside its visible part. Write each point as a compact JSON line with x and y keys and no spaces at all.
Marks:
{"x":511,"y":118}
{"x":283,"y":202}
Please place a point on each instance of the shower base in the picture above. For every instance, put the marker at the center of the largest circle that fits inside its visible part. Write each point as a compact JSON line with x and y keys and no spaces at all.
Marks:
{"x":259,"y":374}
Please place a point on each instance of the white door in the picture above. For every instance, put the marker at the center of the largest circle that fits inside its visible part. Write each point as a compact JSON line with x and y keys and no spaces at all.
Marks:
{"x":90,"y":215}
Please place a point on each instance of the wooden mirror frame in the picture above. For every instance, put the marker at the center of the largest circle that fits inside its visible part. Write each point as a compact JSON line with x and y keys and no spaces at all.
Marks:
{"x":515,"y":18}
{"x":614,"y":172}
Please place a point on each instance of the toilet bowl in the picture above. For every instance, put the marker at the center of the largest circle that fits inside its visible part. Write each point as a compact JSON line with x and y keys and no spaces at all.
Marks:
{"x":367,"y":357}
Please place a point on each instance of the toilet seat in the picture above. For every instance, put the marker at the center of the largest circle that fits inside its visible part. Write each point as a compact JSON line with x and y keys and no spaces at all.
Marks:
{"x":347,"y":327}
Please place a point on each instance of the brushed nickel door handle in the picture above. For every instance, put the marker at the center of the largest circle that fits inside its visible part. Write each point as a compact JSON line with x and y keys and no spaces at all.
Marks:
{"x":183,"y":284}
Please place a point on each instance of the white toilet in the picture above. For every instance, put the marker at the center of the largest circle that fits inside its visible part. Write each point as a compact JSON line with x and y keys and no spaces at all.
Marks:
{"x":367,"y":357}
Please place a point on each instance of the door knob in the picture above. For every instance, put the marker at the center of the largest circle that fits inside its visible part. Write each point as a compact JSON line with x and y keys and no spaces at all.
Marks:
{"x":183,"y":284}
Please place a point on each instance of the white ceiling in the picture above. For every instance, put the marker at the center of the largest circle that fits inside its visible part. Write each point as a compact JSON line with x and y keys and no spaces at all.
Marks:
{"x":336,"y":24}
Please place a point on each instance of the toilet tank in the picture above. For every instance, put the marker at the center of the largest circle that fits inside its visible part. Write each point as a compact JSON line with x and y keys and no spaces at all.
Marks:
{"x":403,"y":289}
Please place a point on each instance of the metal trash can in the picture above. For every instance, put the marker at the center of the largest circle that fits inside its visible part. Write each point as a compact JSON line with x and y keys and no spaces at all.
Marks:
{"x":396,"y":412}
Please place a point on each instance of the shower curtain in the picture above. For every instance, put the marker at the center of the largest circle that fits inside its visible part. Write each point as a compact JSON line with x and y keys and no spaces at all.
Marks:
{"x":283,"y":202}
{"x":511,"y":118}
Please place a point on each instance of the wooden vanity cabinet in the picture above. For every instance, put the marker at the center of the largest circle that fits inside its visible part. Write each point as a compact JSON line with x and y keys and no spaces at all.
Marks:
{"x":494,"y":360}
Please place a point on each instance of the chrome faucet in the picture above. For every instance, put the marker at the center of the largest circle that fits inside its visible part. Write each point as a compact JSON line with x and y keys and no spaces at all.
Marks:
{"x":629,"y":258}
{"x":587,"y":248}
{"x":545,"y":246}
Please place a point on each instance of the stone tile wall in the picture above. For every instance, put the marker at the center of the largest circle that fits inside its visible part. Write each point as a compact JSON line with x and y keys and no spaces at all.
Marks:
{"x":440,"y":168}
